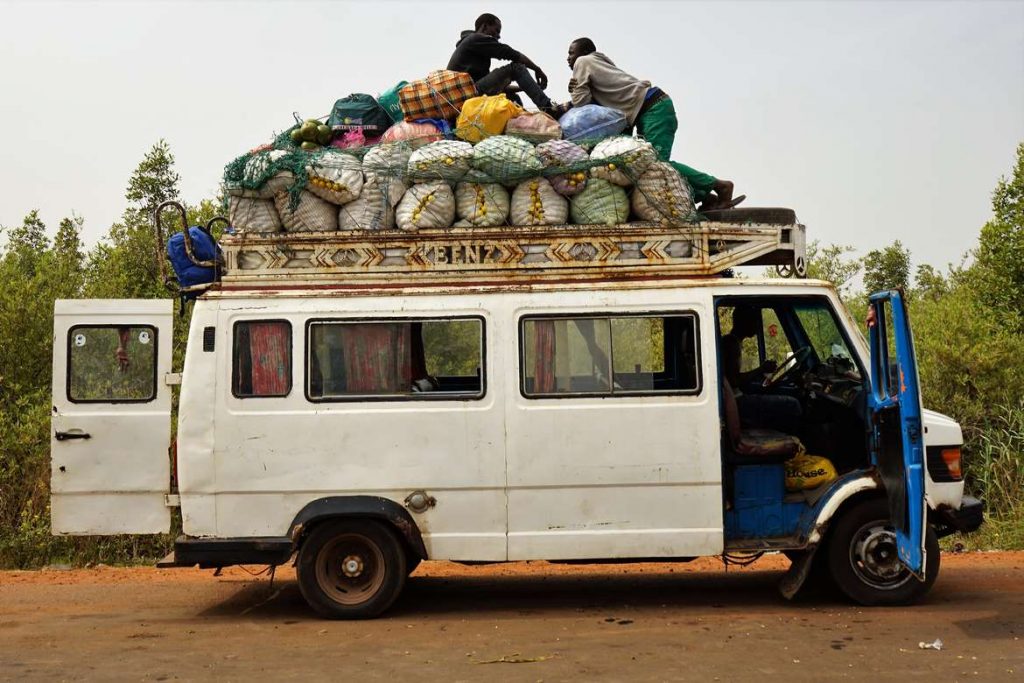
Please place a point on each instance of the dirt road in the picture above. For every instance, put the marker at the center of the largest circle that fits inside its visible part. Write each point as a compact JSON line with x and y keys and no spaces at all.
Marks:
{"x":526,"y":622}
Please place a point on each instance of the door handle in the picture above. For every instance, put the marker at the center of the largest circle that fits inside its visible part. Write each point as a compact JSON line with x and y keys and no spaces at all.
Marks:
{"x":76,"y":434}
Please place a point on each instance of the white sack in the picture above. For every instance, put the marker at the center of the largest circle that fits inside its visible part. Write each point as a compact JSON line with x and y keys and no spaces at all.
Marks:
{"x":427,"y":205}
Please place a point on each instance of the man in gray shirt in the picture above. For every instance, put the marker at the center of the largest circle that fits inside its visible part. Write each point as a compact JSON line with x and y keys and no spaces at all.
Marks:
{"x":596,"y":79}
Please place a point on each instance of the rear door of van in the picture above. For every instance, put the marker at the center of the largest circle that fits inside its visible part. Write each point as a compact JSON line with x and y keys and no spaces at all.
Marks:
{"x":111,"y":419}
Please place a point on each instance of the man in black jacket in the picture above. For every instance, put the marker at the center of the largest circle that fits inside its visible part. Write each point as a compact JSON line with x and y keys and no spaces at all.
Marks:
{"x":473,"y":55}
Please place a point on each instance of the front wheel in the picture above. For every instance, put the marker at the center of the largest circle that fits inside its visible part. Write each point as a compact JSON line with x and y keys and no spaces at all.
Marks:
{"x":864,"y":563}
{"x":351,"y":569}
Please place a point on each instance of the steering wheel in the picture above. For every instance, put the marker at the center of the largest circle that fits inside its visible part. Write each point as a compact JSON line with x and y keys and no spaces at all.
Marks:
{"x":788,"y":366}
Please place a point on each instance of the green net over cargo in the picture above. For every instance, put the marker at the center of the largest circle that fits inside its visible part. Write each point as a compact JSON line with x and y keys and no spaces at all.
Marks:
{"x":305,"y":182}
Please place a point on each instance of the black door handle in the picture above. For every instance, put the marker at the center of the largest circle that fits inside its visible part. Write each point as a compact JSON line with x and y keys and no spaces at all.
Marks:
{"x":62,"y":436}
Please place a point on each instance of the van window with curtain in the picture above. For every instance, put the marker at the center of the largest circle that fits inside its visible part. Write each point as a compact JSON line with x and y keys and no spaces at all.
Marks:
{"x":417,"y":359}
{"x":611,"y":356}
{"x":262,"y":359}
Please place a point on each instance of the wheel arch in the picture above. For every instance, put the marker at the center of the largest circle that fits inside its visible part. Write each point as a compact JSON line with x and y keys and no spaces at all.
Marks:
{"x":855,"y":488}
{"x":361,"y":507}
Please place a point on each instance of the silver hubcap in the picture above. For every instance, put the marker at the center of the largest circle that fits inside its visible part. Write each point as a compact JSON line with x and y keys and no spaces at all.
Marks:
{"x":874,"y":557}
{"x":352,"y":566}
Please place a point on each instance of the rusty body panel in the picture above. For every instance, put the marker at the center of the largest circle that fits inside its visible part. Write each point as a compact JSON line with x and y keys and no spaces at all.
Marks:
{"x":505,"y":256}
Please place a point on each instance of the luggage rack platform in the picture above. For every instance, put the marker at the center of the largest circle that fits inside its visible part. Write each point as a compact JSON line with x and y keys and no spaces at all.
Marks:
{"x":508,"y":254}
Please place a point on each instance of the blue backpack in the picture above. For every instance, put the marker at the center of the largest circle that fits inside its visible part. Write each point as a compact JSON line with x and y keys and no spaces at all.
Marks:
{"x":204,"y":248}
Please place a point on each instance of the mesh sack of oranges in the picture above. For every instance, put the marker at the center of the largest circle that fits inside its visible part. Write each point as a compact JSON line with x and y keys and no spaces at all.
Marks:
{"x":600,"y":203}
{"x":567,"y":162}
{"x":621,"y":160}
{"x":309,"y":214}
{"x":484,"y":116}
{"x":442,"y":160}
{"x":506,"y":159}
{"x":662,"y":196}
{"x":374,"y":209}
{"x":252,"y":214}
{"x":336,"y":177}
{"x":481,"y":204}
{"x":535,"y":202}
{"x":426,"y":205}
{"x":805,"y":471}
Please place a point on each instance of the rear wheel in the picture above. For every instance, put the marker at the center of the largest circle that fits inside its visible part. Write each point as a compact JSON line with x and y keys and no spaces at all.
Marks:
{"x":863,"y":559}
{"x":351,"y":569}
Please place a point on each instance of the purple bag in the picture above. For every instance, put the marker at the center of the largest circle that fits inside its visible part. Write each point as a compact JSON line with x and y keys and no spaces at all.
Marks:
{"x":560,"y":154}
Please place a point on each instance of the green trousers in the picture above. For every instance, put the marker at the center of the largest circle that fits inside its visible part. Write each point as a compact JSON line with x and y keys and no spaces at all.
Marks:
{"x":658,"y":126}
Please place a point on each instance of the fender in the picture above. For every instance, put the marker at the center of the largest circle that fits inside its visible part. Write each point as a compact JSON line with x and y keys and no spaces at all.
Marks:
{"x":373,"y":507}
{"x":813,"y":525}
{"x":815,"y":522}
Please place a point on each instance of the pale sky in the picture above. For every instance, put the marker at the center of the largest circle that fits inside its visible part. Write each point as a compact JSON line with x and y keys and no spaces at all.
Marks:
{"x":874,"y":121}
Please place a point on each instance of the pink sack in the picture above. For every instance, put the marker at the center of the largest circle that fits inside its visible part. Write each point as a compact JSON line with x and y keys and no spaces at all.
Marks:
{"x":354,"y":138}
{"x":416,"y":134}
{"x":534,"y":126}
{"x":565,"y":154}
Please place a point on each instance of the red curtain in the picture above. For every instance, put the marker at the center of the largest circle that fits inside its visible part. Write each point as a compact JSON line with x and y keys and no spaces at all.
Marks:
{"x":377,"y":358}
{"x":269,"y":346}
{"x":544,"y":357}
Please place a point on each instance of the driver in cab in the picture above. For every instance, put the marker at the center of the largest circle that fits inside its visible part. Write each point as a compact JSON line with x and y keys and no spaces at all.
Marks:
{"x":757,"y":410}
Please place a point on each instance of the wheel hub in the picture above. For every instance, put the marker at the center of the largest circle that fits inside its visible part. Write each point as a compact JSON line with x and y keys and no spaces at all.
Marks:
{"x":352,"y":566}
{"x":877,"y":555}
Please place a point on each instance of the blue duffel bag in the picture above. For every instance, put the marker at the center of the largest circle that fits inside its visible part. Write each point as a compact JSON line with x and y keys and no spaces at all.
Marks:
{"x":204,"y":248}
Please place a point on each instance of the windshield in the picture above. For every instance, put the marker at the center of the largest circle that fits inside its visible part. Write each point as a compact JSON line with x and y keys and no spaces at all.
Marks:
{"x":825,"y":338}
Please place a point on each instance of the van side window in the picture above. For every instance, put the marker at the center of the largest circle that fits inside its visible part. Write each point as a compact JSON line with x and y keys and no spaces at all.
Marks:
{"x":389,"y":359}
{"x":613,"y":356}
{"x":110,"y":364}
{"x":262,"y":359}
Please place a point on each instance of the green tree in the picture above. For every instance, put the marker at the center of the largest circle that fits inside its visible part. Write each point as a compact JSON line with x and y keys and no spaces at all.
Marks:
{"x":887,"y":268}
{"x":125,"y":263}
{"x":998,"y":270}
{"x":929,"y":283}
{"x":27,"y":243}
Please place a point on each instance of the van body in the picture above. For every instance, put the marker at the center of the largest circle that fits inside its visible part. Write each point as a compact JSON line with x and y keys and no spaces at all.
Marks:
{"x":545,"y":407}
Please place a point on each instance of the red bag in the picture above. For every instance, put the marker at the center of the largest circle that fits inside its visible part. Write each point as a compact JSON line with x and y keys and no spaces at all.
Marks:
{"x":439,"y":96}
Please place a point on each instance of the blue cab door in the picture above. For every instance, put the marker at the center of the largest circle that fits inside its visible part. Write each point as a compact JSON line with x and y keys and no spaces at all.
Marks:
{"x":897,"y":441}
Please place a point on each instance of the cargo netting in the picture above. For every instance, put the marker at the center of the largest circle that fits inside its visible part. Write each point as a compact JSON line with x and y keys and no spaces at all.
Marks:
{"x":425,"y":174}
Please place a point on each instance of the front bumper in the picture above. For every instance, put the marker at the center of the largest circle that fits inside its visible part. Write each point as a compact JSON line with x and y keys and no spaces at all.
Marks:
{"x":965,"y":519}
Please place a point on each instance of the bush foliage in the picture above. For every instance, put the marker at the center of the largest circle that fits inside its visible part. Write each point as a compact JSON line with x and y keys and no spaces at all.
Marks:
{"x":968,"y":322}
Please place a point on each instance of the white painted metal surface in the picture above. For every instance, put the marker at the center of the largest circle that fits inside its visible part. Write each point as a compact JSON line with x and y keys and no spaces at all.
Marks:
{"x":114,"y":481}
{"x":611,"y":477}
{"x":514,"y":477}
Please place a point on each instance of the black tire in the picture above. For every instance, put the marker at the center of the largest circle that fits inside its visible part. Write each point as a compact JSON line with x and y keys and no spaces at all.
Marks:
{"x":862,"y":558}
{"x":411,"y":562}
{"x":351,"y":569}
{"x":763,"y":215}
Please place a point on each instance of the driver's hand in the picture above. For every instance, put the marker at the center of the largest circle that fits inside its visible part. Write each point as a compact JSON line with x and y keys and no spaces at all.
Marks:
{"x":769,"y":366}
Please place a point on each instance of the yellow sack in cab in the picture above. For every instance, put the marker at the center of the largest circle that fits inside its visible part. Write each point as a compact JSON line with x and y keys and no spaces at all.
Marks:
{"x":805,"y":471}
{"x":485,"y":116}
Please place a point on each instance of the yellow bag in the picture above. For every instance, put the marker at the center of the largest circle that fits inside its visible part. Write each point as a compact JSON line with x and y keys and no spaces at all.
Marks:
{"x":808,"y":471}
{"x":485,"y":116}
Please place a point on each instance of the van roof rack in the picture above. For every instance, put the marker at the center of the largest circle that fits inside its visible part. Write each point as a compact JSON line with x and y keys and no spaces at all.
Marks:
{"x":517,"y":254}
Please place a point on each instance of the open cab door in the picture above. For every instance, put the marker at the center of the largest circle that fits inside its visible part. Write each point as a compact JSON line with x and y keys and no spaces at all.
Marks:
{"x":111,"y":422}
{"x":897,"y":440}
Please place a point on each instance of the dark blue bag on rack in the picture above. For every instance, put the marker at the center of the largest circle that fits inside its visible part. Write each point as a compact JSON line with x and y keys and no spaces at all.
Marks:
{"x":204,"y":248}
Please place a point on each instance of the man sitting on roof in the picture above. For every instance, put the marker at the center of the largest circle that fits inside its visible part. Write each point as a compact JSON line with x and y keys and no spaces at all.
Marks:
{"x":474,"y":52}
{"x":595,"y":78}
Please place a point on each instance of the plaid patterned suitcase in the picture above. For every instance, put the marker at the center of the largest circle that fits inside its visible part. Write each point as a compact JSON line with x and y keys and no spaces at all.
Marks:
{"x":439,"y":96}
